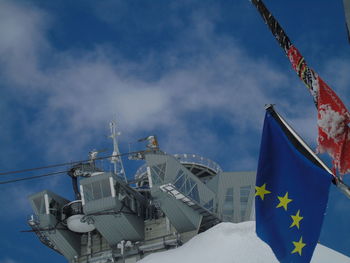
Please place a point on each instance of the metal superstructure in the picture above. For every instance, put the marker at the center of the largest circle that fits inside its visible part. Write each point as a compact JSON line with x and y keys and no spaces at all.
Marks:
{"x":170,"y":199}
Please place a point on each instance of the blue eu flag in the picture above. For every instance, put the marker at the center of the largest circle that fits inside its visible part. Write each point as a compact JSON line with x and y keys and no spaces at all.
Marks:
{"x":291,"y":193}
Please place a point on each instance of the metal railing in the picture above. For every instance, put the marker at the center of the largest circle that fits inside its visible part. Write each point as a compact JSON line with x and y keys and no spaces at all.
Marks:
{"x":185,"y":159}
{"x":199,"y":160}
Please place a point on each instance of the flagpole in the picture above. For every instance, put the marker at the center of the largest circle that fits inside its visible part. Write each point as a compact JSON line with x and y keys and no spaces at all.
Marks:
{"x":305,"y":73}
{"x":338,"y":182}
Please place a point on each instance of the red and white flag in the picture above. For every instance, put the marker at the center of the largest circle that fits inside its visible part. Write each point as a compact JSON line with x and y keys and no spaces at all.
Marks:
{"x":333,"y":129}
{"x":333,"y":117}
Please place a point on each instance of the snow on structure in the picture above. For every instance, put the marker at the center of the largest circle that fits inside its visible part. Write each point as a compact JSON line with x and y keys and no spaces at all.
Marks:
{"x":331,"y":122}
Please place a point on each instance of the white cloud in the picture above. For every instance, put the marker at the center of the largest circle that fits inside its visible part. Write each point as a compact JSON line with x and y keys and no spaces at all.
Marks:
{"x":22,"y":43}
{"x":76,"y":96}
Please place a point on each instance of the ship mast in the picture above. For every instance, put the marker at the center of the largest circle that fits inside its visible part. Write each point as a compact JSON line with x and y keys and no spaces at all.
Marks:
{"x":115,"y":159}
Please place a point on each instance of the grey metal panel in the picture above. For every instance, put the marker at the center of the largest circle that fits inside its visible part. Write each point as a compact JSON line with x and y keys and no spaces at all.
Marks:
{"x":172,"y":168}
{"x":67,"y":242}
{"x":40,"y":195}
{"x":113,"y":224}
{"x":98,"y":243}
{"x":236,"y":180}
{"x":107,"y":228}
{"x":102,"y":204}
{"x":155,"y":229}
{"x":181,"y":216}
{"x":53,"y":207}
{"x":213,"y":183}
{"x":115,"y":228}
{"x":47,"y":221}
{"x":130,"y":226}
{"x":35,"y":206}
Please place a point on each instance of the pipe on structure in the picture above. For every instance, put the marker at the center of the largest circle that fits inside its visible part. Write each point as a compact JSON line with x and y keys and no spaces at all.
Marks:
{"x":159,"y":245}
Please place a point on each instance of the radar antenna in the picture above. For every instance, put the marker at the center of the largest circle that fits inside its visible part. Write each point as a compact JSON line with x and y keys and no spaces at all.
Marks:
{"x":115,"y":159}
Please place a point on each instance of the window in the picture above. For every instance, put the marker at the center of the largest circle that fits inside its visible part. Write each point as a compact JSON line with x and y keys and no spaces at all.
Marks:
{"x":88,"y":196}
{"x":194,"y":192}
{"x":227,"y":208}
{"x":187,"y":186}
{"x":97,"y":190}
{"x":180,"y":179}
{"x":160,"y":169}
{"x":158,"y":173}
{"x":244,"y":196}
{"x":39,"y":203}
{"x":106,"y":188}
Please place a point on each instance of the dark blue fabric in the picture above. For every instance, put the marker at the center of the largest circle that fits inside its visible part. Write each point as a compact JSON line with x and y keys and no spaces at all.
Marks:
{"x":284,"y":169}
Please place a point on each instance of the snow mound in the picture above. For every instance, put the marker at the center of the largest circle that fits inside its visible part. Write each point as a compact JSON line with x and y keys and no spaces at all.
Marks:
{"x":232,"y":243}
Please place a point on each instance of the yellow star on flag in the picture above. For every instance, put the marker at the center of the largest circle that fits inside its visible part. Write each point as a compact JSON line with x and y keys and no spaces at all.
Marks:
{"x":284,"y":201}
{"x":298,"y":246}
{"x":261,"y":191}
{"x":296,"y":220}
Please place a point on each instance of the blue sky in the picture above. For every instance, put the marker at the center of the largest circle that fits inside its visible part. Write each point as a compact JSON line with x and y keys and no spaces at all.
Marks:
{"x":195,"y":73}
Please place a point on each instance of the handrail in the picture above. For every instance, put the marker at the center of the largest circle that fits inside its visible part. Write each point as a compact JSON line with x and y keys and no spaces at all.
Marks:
{"x":186,"y":159}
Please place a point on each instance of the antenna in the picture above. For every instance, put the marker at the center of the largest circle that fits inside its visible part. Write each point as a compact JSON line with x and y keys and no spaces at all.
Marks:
{"x":115,"y":159}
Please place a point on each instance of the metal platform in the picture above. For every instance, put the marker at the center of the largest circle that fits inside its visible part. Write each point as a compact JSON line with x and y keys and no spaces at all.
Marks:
{"x":35,"y":225}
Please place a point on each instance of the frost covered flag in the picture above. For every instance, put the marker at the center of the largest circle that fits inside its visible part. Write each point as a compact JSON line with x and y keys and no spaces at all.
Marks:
{"x":333,"y":117}
{"x":333,"y":129}
{"x":291,"y":193}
